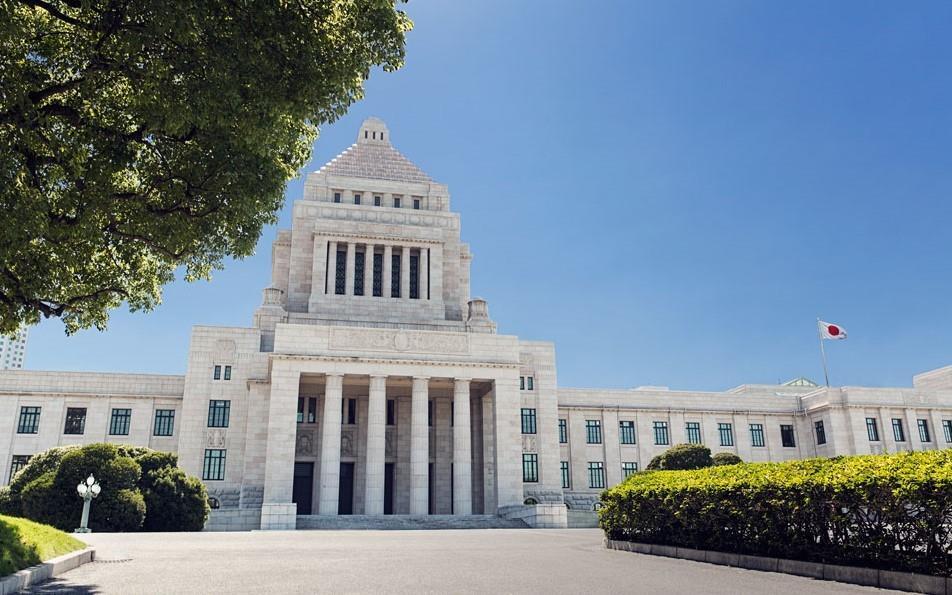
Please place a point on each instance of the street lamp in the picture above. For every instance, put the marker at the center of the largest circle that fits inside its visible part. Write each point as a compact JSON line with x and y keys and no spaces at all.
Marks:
{"x":87,"y":490}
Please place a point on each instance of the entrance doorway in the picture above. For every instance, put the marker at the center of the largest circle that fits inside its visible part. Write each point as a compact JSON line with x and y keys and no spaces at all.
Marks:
{"x":303,"y":491}
{"x":345,"y":500}
{"x":388,"y":476}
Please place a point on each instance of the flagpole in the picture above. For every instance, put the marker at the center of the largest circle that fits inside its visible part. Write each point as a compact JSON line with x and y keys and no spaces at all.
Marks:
{"x":826,"y":375}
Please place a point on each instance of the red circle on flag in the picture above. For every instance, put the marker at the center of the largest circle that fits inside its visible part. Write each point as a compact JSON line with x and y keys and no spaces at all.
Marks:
{"x":833,"y":329}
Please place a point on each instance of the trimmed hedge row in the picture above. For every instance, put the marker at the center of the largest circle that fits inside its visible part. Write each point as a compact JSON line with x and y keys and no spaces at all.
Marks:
{"x":892,"y":512}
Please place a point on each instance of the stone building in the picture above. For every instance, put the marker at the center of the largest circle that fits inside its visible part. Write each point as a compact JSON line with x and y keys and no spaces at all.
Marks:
{"x":13,"y":350}
{"x":372,"y":383}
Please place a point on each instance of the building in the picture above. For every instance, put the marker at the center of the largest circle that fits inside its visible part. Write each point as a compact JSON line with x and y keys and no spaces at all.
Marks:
{"x":371,"y":382}
{"x":13,"y":350}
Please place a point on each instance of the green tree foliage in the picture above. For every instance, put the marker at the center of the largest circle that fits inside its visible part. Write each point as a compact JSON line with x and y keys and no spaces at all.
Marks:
{"x":141,"y":489}
{"x":144,"y":135}
{"x":726,"y":458}
{"x":682,"y":457}
{"x":884,"y":511}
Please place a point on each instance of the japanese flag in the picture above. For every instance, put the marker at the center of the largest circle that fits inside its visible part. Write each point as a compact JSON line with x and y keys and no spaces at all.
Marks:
{"x":828,"y":330}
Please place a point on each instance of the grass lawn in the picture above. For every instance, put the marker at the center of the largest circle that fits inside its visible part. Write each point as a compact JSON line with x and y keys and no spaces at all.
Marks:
{"x":24,"y":543}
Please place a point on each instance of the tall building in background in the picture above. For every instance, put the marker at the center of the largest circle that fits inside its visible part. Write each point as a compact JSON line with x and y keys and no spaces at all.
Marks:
{"x":13,"y":350}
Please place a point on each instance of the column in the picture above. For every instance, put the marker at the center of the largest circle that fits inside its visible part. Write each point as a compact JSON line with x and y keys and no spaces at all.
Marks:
{"x":278,"y":511}
{"x":424,"y":273}
{"x":405,"y":272}
{"x":318,"y":269}
{"x":387,"y":273}
{"x":419,"y":447}
{"x":351,"y":258}
{"x":376,"y":445}
{"x":331,"y":280}
{"x":369,"y":270}
{"x":462,"y":454}
{"x":508,"y":442}
{"x":330,"y":444}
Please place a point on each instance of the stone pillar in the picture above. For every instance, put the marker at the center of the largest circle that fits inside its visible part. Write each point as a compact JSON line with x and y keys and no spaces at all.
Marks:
{"x":330,"y":444}
{"x":319,"y":269}
{"x":405,"y":273}
{"x":332,"y":268}
{"x":424,"y":273}
{"x":419,"y":446}
{"x":508,"y":442}
{"x":278,"y":511}
{"x":386,"y":270}
{"x":462,"y":450}
{"x":369,"y":270}
{"x":351,"y":259}
{"x":376,"y":445}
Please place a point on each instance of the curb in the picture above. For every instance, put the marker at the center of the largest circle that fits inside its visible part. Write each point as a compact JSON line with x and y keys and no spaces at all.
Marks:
{"x":871,"y":577}
{"x":45,"y":570}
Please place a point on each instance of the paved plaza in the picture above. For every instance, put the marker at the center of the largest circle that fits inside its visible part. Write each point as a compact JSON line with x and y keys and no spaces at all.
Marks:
{"x":474,"y":561}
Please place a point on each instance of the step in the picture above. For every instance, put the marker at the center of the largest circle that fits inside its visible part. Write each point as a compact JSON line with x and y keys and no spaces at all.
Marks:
{"x":405,"y":521}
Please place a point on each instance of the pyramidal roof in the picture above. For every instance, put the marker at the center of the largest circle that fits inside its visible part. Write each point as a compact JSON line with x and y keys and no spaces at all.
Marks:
{"x":372,"y":156}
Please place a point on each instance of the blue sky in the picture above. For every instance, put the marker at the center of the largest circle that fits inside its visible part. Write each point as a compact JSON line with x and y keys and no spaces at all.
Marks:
{"x":671,"y":191}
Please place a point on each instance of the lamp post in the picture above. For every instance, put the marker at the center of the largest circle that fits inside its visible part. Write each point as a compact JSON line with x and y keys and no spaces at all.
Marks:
{"x":88,"y":490}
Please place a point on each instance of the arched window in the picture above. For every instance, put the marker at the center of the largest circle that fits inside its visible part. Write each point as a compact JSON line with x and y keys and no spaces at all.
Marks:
{"x":531,"y":502}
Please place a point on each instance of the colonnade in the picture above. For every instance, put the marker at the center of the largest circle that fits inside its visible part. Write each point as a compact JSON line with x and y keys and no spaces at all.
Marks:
{"x":366,"y":281}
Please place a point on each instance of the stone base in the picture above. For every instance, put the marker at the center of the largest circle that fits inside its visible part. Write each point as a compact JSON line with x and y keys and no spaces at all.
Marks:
{"x":243,"y":519}
{"x":538,"y":516}
{"x":279,"y":517}
{"x":404,"y":522}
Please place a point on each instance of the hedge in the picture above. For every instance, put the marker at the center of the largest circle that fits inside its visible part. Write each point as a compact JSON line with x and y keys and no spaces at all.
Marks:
{"x":142,"y":489}
{"x":682,"y":457}
{"x":892,"y":512}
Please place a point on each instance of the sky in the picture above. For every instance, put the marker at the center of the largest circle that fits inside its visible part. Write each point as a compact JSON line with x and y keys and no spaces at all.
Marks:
{"x":670,"y":191}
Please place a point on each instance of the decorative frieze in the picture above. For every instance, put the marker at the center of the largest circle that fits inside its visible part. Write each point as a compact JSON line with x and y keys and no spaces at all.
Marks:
{"x":215,"y":438}
{"x":399,"y":341}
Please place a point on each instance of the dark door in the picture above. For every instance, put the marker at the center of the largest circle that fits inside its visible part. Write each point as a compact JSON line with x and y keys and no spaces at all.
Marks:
{"x":345,"y":501}
{"x":303,"y":490}
{"x":388,"y":475}
{"x":429,"y":491}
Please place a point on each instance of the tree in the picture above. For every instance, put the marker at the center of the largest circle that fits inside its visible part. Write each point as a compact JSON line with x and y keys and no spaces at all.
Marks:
{"x":727,"y":458}
{"x":139,"y":136}
{"x":682,"y":457}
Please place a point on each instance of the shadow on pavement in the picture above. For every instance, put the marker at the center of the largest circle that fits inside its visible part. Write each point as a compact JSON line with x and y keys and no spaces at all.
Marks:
{"x":58,"y":585}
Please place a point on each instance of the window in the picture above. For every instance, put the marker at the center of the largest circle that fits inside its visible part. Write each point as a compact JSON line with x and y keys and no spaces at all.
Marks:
{"x":660,"y":432}
{"x":414,"y":276}
{"x":340,"y":273}
{"x":924,"y":435}
{"x":429,"y":413}
{"x":391,"y":412}
{"x":820,"y":432}
{"x":628,"y":469}
{"x":626,"y":432}
{"x":378,"y":275}
{"x":218,"y":413}
{"x":376,"y":201}
{"x":898,"y":432}
{"x":872,"y":430}
{"x":337,"y":197}
{"x":726,"y":433}
{"x":348,"y":411}
{"x":530,"y":467}
{"x":593,"y":431}
{"x":596,"y":474}
{"x":786,"y":436}
{"x":396,"y":202}
{"x":757,"y":435}
{"x":227,"y":372}
{"x":395,"y":275}
{"x":164,"y":422}
{"x":217,"y":373}
{"x":693,"y":430}
{"x":356,"y":199}
{"x":522,"y":383}
{"x":528,"y":421}
{"x":119,"y":424}
{"x":360,"y":259}
{"x":75,"y":420}
{"x":947,"y":429}
{"x":416,"y":203}
{"x":566,"y":477}
{"x":530,"y":383}
{"x":564,"y":432}
{"x":19,"y":462}
{"x":311,"y":414}
{"x":214,"y":468}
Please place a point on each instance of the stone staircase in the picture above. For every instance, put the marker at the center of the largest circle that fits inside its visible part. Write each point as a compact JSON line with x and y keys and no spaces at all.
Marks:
{"x":404,"y":522}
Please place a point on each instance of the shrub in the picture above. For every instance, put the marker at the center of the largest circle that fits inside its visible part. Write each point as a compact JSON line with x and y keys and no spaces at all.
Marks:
{"x":24,"y":543}
{"x":682,"y":457}
{"x":45,"y":490}
{"x":6,"y":501}
{"x":884,"y":511}
{"x":175,"y":501}
{"x":726,"y":458}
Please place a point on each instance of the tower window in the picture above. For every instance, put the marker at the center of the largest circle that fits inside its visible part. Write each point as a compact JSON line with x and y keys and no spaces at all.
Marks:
{"x":356,"y":199}
{"x":416,"y":203}
{"x":415,"y":276}
{"x":395,"y":275}
{"x":359,"y":260}
{"x":340,"y":282}
{"x":396,"y":202}
{"x":337,"y":197}
{"x":376,"y":201}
